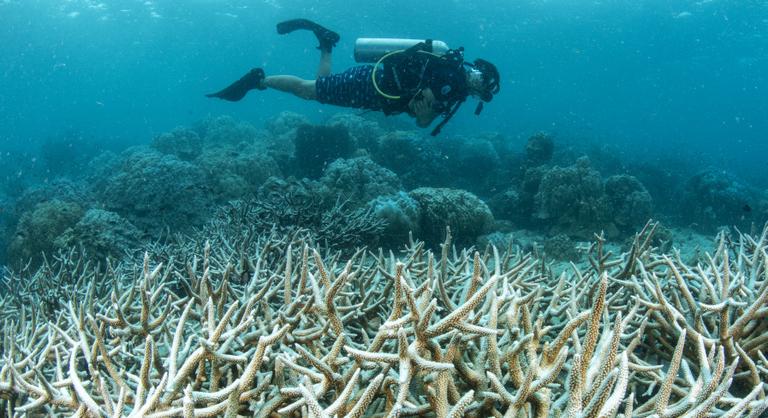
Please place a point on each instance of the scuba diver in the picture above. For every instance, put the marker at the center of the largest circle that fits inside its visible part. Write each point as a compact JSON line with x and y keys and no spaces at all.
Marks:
{"x":423,"y":79}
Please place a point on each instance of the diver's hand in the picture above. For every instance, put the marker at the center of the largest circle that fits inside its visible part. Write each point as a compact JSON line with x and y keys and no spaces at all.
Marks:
{"x":421,"y":107}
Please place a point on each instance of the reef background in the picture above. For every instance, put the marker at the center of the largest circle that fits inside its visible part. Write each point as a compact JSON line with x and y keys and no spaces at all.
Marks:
{"x":669,"y":95}
{"x":685,"y":78}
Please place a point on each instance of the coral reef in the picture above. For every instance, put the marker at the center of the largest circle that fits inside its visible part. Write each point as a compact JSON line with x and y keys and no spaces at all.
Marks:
{"x":290,"y":331}
{"x":39,"y":228}
{"x":224,"y":130}
{"x":101,"y":234}
{"x":413,"y":159}
{"x":6,"y":205}
{"x":361,"y":166}
{"x":714,"y":198}
{"x":473,"y":162}
{"x":574,"y":200}
{"x":184,"y":143}
{"x":400,"y":214}
{"x":282,"y":133}
{"x":318,"y":146}
{"x":154,"y":190}
{"x":365,"y":133}
{"x":285,"y":124}
{"x":630,"y":203}
{"x":304,"y":208}
{"x":570,"y":199}
{"x":539,"y":149}
{"x":236,"y":172}
{"x":67,"y":154}
{"x":61,"y":189}
{"x":359,"y":180}
{"x":560,"y":247}
{"x":465,"y":214}
{"x":510,"y":205}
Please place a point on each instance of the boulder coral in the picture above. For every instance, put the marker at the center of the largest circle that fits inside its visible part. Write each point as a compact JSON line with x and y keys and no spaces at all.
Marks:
{"x":539,"y":149}
{"x":364,"y":132}
{"x":316,"y":146}
{"x":286,"y":123}
{"x":39,"y":228}
{"x":281,"y":131}
{"x":184,"y":143}
{"x":715,"y":198}
{"x":236,"y":172}
{"x":359,"y":180}
{"x":154,"y":190}
{"x":61,"y":189}
{"x":570,"y":199}
{"x":509,"y":205}
{"x":630,"y":203}
{"x":222,"y":130}
{"x":400,"y":214}
{"x":413,"y":159}
{"x":101,"y":234}
{"x":465,"y":214}
{"x":472,"y":162}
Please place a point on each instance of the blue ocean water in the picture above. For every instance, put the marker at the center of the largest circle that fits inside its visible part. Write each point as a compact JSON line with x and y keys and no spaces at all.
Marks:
{"x":666,"y":84}
{"x":659,"y":77}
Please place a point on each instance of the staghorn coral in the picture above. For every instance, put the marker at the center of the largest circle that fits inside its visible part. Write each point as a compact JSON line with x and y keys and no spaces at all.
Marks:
{"x":304,"y":207}
{"x":291,"y":331}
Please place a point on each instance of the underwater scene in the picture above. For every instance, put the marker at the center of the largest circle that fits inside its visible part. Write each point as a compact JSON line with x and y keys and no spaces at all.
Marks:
{"x":445,"y":208}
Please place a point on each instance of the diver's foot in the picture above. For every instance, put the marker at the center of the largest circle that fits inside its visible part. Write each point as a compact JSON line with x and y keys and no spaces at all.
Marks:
{"x":326,"y":37}
{"x":237,"y":90}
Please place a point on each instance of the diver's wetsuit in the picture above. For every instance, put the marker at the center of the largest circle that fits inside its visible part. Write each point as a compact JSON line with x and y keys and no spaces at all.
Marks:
{"x":351,"y":88}
{"x":355,"y":88}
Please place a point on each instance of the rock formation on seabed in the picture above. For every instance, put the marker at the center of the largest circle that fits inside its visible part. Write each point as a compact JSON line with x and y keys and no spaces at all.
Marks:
{"x":274,"y":326}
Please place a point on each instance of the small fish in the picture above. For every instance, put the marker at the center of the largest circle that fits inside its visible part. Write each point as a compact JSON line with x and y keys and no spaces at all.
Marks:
{"x":746,"y":208}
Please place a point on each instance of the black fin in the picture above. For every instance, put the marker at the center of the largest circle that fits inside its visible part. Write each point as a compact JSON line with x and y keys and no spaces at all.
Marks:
{"x":325,"y":36}
{"x":237,"y":90}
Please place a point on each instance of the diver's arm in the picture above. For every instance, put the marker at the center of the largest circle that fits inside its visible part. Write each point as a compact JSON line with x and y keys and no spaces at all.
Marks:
{"x":421,"y":108}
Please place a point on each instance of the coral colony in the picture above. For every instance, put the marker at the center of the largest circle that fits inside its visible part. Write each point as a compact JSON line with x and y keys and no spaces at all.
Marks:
{"x":274,"y":326}
{"x":354,"y":270}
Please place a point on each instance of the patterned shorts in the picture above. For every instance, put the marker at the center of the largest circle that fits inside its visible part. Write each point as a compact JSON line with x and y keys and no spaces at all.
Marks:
{"x":352,"y":88}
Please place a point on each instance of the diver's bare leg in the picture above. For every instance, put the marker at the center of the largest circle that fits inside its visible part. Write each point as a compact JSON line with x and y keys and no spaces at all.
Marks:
{"x":292,"y":84}
{"x":324,"y":69}
{"x":298,"y":86}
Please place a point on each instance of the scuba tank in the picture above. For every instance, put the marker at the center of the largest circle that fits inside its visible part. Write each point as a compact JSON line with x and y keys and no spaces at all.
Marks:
{"x":371,"y":50}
